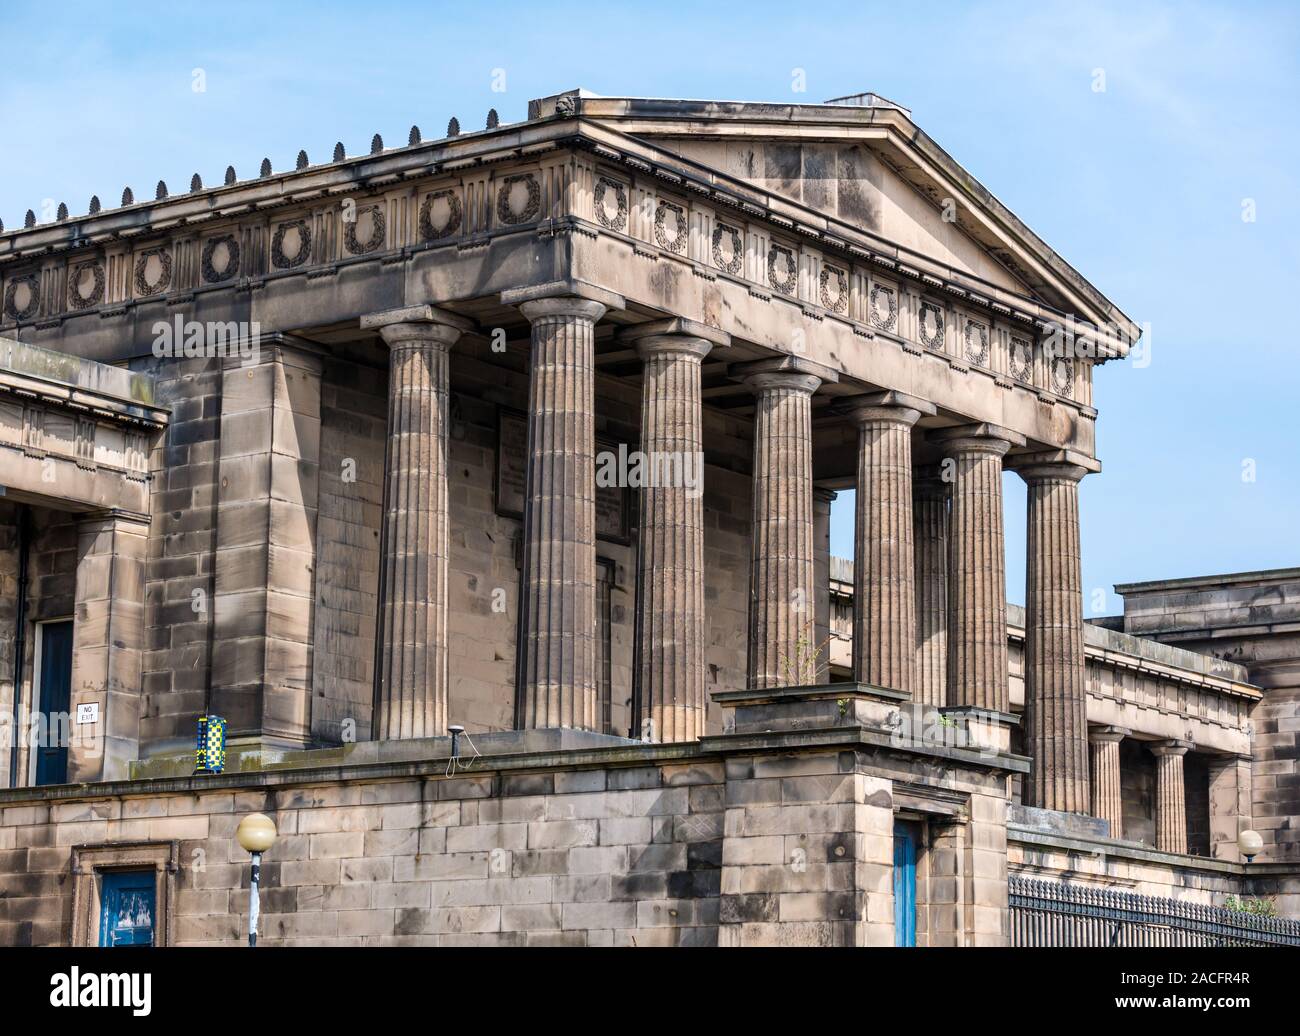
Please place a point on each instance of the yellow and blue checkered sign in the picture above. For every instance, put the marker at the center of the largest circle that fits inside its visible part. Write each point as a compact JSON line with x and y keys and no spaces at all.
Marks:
{"x":210,"y":756}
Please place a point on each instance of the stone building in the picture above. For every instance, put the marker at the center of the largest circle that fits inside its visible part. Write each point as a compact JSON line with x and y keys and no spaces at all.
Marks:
{"x":535,"y":430}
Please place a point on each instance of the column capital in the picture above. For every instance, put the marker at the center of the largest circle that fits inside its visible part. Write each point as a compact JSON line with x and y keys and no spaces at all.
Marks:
{"x":787,"y":372}
{"x":893,"y":407}
{"x":1102,"y":735}
{"x":822,"y":495}
{"x":416,"y":324}
{"x":112,"y":515}
{"x":1173,"y":746}
{"x":978,"y":438}
{"x":673,"y":330}
{"x":1045,"y":465}
{"x":569,"y":297}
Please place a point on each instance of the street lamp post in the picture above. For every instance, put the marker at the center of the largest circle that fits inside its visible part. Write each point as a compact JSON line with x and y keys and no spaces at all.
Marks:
{"x":256,"y":834}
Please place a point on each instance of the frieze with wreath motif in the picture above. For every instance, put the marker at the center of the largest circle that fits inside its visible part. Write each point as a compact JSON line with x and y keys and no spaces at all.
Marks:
{"x":930,"y":326}
{"x":618,"y":221}
{"x":532,"y":206}
{"x":789,"y":283}
{"x":1021,"y":360}
{"x":838,"y":301}
{"x":29,"y":308}
{"x":208,"y":269}
{"x":1063,"y":375}
{"x":378,"y":227}
{"x":279,"y":259}
{"x":450,"y":226}
{"x":737,"y":259}
{"x":76,"y":300}
{"x":977,"y":343}
{"x":143,"y":286}
{"x":884,"y":307}
{"x":676,"y":242}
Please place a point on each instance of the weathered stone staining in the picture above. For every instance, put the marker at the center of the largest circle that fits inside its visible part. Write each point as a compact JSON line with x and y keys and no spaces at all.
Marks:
{"x":884,"y":631}
{"x":977,"y":616}
{"x":1056,"y":711}
{"x":782,"y":618}
{"x":384,"y":520}
{"x":413,"y":677}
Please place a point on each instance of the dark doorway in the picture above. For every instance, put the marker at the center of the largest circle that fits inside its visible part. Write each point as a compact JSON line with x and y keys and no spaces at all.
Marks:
{"x":55,"y":700}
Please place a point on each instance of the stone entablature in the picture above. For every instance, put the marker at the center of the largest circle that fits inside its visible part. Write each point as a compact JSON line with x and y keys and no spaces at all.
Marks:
{"x":75,"y":431}
{"x":1151,"y":689}
{"x":807,"y":283}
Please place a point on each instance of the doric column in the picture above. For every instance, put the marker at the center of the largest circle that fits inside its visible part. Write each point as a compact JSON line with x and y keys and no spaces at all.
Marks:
{"x":930,"y":545}
{"x":782,"y":648}
{"x":670,"y":642}
{"x":884,"y":590}
{"x":1107,"y":803}
{"x":1056,"y":720}
{"x":556,"y":672}
{"x":413,"y":660}
{"x":977,"y":596}
{"x":1171,"y":804}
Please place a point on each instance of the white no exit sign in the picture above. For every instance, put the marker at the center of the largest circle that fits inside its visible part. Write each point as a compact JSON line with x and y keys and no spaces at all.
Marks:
{"x":88,"y":713}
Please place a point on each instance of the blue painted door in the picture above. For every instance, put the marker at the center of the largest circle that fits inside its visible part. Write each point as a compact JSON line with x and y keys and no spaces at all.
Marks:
{"x":906,"y":838}
{"x":55,"y":701}
{"x":127,"y":908}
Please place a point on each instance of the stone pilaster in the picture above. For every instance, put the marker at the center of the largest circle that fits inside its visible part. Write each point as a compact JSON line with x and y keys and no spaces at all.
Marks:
{"x":782,"y":651}
{"x":264,"y":582}
{"x":977,"y":599}
{"x":670,"y":641}
{"x":108,"y":644}
{"x":884,"y":591}
{"x":413,"y":664}
{"x":556,"y":672}
{"x":1171,"y":805}
{"x":930,"y":546}
{"x":1107,"y":803}
{"x":1230,"y":805}
{"x":1056,"y":718}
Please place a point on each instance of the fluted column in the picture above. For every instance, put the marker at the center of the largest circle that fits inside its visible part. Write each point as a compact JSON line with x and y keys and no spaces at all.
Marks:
{"x":930,"y":545}
{"x":884,"y":591}
{"x":1056,"y":718}
{"x":977,"y":601}
{"x":557,"y":671}
{"x":1107,"y":802}
{"x":413,"y":663}
{"x":1171,"y":804}
{"x":670,"y":643}
{"x":782,"y":647}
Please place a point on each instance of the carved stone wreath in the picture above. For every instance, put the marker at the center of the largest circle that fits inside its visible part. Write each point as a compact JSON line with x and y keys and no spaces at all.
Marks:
{"x":452,"y":224}
{"x":288,"y":262}
{"x":1022,"y":360}
{"x":787,"y":284}
{"x":836,"y":299}
{"x":208,"y":270}
{"x":618,"y":221}
{"x":930,"y":326}
{"x":884,"y":307}
{"x":676,"y":242}
{"x":737,"y":259}
{"x":76,"y":300}
{"x":531,"y":208}
{"x":1063,"y":375}
{"x":977,"y":343}
{"x":378,"y":224}
{"x":28,"y":309}
{"x":143,"y":286}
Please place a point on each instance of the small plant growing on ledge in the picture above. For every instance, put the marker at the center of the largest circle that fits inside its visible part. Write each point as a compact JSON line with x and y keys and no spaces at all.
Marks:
{"x":1257,"y":905}
{"x":802,"y":668}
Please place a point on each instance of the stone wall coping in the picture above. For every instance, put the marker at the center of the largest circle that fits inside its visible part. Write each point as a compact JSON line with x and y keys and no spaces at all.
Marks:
{"x":1260,"y":577}
{"x":72,"y":381}
{"x":1030,"y":835}
{"x":713,"y":748}
{"x":807,"y":692}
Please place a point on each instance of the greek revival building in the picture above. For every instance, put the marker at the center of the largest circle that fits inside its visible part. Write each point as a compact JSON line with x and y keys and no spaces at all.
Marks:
{"x":534,"y":431}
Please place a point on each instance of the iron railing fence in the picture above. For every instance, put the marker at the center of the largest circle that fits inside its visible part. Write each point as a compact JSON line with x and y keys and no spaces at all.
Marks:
{"x":1054,"y":913}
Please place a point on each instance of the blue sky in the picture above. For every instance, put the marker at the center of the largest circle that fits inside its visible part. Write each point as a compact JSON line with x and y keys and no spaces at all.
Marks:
{"x":1142,"y":186}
